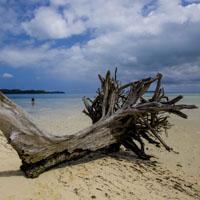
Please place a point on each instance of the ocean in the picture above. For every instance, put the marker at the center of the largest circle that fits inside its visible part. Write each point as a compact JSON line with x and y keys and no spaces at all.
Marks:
{"x":62,"y":113}
{"x":58,"y":114}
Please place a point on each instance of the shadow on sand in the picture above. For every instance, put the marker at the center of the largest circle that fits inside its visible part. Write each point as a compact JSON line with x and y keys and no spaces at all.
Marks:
{"x":10,"y":173}
{"x":121,"y":155}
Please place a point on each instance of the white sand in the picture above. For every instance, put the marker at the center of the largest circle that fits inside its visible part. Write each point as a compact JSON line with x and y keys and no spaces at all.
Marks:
{"x":118,"y":176}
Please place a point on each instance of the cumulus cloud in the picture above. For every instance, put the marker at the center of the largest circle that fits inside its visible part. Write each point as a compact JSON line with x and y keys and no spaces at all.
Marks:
{"x":7,"y":75}
{"x":126,"y":15}
{"x":107,"y":17}
{"x":48,"y":23}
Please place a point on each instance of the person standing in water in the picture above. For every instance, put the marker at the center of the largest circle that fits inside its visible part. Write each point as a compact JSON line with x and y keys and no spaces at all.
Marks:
{"x":33,"y":101}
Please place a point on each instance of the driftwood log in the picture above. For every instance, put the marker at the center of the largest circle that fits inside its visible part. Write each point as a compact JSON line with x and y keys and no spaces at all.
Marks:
{"x":121,"y":115}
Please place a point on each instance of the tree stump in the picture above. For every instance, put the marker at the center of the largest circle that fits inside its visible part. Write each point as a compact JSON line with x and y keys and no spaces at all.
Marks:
{"x":121,"y":115}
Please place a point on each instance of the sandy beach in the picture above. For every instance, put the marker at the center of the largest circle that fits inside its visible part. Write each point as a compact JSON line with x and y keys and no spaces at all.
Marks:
{"x":174,"y":175}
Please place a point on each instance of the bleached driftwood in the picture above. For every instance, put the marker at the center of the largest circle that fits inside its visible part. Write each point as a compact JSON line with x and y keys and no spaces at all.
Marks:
{"x":121,"y":115}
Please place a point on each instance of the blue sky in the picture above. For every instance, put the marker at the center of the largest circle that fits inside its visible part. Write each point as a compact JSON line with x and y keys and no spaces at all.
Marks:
{"x":63,"y":44}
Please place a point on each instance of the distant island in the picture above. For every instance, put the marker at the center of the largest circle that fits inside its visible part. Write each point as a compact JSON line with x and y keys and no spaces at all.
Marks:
{"x":18,"y":91}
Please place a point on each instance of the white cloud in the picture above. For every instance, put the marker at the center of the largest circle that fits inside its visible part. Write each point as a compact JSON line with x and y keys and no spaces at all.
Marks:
{"x":25,"y":57}
{"x":48,"y":23}
{"x":7,"y":75}
{"x":107,"y":17}
{"x":126,"y":15}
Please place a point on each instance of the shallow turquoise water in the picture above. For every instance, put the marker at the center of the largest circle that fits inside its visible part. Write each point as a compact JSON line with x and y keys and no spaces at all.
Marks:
{"x":70,"y":103}
{"x":62,"y":113}
{"x":56,"y":113}
{"x":48,"y":102}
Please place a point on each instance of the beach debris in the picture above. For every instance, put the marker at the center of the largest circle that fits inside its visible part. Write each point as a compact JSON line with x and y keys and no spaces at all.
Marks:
{"x":125,"y":115}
